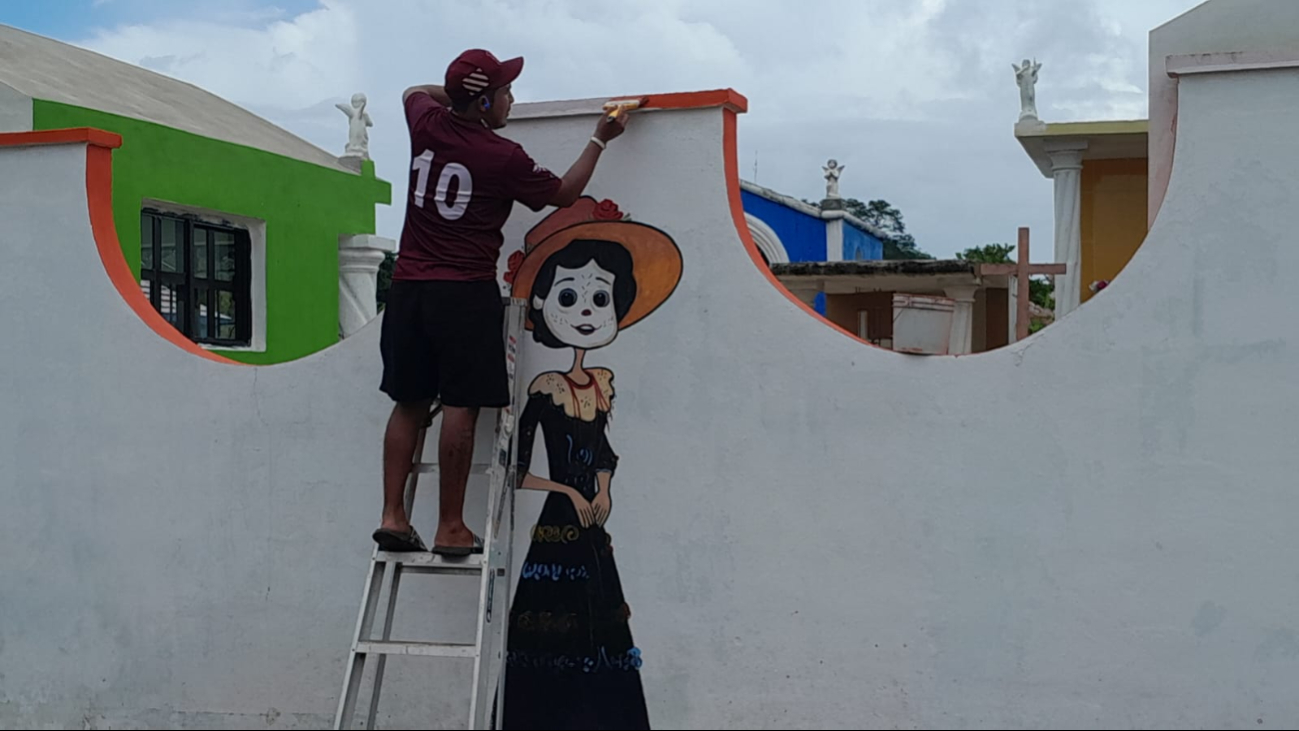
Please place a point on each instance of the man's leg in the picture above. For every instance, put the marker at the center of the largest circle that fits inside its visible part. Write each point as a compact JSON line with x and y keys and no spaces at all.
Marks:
{"x":455,"y":460}
{"x":471,"y":363}
{"x":398,"y":454}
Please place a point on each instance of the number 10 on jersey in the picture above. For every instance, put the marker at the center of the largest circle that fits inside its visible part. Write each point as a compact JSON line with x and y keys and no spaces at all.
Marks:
{"x":454,"y":208}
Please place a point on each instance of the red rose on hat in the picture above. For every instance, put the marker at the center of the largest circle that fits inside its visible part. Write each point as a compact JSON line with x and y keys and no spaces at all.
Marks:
{"x":607,"y":210}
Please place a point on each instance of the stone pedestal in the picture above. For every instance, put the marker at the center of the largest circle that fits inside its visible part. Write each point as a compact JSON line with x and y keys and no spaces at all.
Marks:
{"x":352,"y":161}
{"x":359,"y":258}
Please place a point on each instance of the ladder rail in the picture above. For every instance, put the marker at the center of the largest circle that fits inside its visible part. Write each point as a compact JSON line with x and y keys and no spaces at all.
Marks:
{"x":491,"y":638}
{"x":356,"y":662}
{"x":393,"y":577}
{"x":494,"y":566}
{"x":518,"y":392}
{"x":381,"y":662}
{"x":487,"y":591}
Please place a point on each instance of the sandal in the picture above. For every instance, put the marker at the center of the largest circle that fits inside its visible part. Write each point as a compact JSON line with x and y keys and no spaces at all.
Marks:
{"x":460,"y":551}
{"x":394,"y":541}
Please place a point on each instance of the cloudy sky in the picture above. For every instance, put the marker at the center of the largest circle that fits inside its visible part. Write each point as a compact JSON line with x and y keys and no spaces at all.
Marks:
{"x":916,"y":97}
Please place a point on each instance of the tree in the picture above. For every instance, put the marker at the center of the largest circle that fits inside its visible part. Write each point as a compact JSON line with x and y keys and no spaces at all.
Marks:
{"x":898,"y":244}
{"x":1041,"y":291}
{"x":990,"y":254}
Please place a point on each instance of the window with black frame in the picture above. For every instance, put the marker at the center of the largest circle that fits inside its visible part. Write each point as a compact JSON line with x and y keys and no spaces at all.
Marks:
{"x":198,"y":275}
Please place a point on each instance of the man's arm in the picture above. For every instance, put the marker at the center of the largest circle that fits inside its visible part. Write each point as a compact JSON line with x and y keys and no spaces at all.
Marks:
{"x":438,"y":93}
{"x":574,"y":182}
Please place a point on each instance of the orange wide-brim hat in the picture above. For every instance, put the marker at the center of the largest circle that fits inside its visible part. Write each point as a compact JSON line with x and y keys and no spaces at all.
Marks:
{"x":656,"y":260}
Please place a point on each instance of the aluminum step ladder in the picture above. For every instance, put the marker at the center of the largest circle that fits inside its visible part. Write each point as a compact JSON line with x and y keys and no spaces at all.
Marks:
{"x":493,"y":566}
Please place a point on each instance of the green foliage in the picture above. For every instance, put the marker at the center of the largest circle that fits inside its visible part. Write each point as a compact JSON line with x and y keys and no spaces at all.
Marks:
{"x":990,"y":254}
{"x":898,"y":244}
{"x":1041,"y":291}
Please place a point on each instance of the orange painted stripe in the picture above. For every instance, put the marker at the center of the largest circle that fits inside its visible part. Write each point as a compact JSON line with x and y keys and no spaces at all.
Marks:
{"x":730,"y":99}
{"x":99,"y":197}
{"x":731,"y":157}
{"x":88,"y":135}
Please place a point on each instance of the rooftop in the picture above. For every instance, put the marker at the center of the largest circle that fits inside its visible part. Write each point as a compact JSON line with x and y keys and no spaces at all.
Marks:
{"x":43,"y":68}
{"x":807,"y":208}
{"x":1104,"y":140}
{"x":886,"y":267}
{"x":916,"y":275}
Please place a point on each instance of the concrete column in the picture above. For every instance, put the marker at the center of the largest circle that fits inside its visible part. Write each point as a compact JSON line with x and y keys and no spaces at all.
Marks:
{"x":1066,"y":170}
{"x":359,"y":258}
{"x":832,"y":212}
{"x":834,"y":236}
{"x":962,"y":338}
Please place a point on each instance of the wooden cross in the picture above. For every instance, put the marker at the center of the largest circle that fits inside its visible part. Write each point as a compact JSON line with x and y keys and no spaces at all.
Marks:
{"x":1021,"y":271}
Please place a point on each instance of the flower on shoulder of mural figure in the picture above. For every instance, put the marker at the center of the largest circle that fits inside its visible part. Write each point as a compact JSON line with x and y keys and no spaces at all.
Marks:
{"x":1098,"y":285}
{"x":587,"y":273}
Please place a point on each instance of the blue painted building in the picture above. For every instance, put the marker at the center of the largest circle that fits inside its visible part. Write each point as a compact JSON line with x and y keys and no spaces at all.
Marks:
{"x":788,"y":230}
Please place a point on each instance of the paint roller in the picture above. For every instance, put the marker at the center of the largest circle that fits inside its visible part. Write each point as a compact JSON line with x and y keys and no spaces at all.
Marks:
{"x":619,"y":106}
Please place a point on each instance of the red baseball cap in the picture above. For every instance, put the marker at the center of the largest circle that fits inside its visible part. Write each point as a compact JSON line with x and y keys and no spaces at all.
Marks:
{"x":476,"y":71}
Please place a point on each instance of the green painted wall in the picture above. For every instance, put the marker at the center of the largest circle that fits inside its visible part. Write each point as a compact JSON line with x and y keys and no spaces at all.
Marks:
{"x":306,"y":208}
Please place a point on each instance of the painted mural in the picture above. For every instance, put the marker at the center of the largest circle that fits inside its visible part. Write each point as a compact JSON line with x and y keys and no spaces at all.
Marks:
{"x":587,"y":272}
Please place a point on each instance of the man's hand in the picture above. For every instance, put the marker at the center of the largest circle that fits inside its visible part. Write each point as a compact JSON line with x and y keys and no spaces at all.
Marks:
{"x":606,"y":130}
{"x":575,"y":180}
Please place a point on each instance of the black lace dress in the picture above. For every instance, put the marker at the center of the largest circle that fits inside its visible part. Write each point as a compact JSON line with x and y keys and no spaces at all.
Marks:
{"x":571,"y":662}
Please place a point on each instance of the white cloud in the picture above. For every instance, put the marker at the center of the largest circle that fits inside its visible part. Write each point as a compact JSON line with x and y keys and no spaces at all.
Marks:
{"x":917,"y":98}
{"x":290,"y":63}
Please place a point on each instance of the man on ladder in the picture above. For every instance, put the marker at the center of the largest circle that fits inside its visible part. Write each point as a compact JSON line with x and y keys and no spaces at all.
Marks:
{"x":441,"y":337}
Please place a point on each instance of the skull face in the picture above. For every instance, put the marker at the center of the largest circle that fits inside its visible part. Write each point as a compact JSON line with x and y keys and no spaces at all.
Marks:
{"x":579,"y":310}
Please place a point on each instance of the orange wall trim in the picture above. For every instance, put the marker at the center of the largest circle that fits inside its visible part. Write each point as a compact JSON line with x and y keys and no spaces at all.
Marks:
{"x":99,"y":199}
{"x":730,"y":153}
{"x":88,"y":135}
{"x":727,"y":98}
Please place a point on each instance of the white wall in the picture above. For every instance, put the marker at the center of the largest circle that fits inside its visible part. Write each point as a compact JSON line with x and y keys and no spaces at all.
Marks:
{"x":1215,"y":26}
{"x":1091,"y":528}
{"x":182,"y":543}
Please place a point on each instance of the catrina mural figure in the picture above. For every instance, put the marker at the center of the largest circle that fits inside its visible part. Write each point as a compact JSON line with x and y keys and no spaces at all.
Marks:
{"x":587,"y":274}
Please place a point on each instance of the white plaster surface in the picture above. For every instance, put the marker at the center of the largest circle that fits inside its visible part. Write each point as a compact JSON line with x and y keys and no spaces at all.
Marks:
{"x":1215,"y":26}
{"x":1091,"y":528}
{"x":182,"y":543}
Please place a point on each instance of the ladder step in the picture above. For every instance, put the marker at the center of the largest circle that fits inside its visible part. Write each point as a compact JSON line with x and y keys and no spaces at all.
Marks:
{"x":417,"y":649}
{"x":431,"y":563}
{"x":426,"y":468}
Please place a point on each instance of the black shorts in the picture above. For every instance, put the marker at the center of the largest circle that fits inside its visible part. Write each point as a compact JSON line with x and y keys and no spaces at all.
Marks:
{"x":445,"y":340}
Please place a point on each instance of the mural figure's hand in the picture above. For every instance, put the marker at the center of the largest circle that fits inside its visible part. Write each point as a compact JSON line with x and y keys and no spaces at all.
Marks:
{"x":602,"y":505}
{"x":585,"y":513}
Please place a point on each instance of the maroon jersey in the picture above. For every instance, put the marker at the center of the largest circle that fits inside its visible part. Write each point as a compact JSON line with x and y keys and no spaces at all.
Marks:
{"x":464,"y":180}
